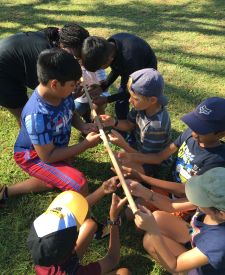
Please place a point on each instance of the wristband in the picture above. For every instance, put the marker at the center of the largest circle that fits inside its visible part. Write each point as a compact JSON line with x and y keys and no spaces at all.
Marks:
{"x":116,"y":122}
{"x":116,"y":222}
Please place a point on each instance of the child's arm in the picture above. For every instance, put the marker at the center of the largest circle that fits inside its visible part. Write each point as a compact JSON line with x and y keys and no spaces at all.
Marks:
{"x":50,"y":153}
{"x":158,"y":200}
{"x":185,"y":261}
{"x":170,"y":186}
{"x":123,"y":125}
{"x":153,"y":158}
{"x":112,"y":257}
{"x":117,"y":139}
{"x":85,"y":128}
{"x":107,"y":187}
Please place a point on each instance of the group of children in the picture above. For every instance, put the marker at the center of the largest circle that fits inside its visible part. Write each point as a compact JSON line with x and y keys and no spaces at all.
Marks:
{"x":59,"y":237}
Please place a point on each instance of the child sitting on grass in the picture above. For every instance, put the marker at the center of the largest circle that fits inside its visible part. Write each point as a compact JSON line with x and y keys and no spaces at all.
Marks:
{"x":198,"y":247}
{"x":199,"y":148}
{"x":148,"y":118}
{"x":41,"y":148}
{"x":59,"y":238}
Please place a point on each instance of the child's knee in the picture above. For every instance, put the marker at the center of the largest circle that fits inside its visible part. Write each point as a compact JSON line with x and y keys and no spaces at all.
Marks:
{"x":147,"y":244}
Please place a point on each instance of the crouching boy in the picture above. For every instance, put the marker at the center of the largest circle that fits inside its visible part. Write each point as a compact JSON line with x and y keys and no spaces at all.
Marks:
{"x":60,"y":236}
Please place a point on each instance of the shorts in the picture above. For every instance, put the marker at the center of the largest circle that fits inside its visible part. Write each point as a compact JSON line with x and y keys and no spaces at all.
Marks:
{"x":13,"y":94}
{"x":90,"y":269}
{"x":56,"y":175}
{"x":150,"y":169}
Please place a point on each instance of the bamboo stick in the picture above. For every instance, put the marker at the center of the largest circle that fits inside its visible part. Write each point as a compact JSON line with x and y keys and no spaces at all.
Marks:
{"x":111,"y":155}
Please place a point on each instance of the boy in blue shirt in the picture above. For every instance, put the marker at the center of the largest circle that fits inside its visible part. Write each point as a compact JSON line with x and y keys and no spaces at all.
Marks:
{"x":42,"y":146}
{"x":199,"y":148}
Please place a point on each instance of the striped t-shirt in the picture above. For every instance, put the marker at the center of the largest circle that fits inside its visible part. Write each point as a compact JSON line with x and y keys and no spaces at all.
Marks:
{"x":152,"y":132}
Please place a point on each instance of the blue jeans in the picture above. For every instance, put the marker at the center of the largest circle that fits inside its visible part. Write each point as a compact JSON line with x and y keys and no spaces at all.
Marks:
{"x":122,"y":106}
{"x":83,"y":110}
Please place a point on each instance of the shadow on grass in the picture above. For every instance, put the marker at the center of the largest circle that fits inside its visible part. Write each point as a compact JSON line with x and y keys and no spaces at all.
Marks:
{"x":141,"y":18}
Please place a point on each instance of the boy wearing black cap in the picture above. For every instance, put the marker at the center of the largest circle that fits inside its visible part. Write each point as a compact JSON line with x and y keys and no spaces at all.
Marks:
{"x":199,"y":148}
{"x":148,"y":118}
{"x":60,"y":236}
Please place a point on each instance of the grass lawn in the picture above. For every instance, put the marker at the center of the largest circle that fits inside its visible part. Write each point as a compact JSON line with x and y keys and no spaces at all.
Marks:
{"x":188,"y":38}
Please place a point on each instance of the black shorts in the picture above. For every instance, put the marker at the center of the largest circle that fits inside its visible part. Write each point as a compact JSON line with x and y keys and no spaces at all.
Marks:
{"x":12,"y":94}
{"x":150,"y":169}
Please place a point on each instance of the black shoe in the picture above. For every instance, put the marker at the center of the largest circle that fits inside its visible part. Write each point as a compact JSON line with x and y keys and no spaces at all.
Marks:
{"x":103,"y":231}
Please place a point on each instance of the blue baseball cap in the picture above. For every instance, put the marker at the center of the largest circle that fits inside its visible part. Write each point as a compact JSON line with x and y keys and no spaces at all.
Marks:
{"x":208,"y":117}
{"x":149,"y":82}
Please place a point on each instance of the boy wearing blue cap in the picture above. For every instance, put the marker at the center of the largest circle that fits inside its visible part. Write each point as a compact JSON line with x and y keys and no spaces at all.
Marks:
{"x":199,"y":148}
{"x":148,"y":119}
{"x":198,"y":247}
{"x":60,"y":236}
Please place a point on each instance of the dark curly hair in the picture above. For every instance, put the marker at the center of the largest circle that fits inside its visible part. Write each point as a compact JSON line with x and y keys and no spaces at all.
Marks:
{"x":52,"y":34}
{"x":72,"y":36}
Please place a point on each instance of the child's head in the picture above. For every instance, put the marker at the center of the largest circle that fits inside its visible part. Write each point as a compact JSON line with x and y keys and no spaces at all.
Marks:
{"x":146,"y":87}
{"x":208,"y":189}
{"x":53,"y":234}
{"x":71,"y":38}
{"x":96,"y":53}
{"x":57,"y":64}
{"x":208,"y":119}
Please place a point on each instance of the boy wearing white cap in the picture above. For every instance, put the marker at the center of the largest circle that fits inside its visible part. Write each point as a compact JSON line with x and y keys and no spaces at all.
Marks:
{"x":175,"y":244}
{"x":60,"y":236}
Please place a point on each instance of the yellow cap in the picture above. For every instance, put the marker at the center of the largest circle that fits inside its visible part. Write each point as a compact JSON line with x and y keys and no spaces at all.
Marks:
{"x":74,"y":202}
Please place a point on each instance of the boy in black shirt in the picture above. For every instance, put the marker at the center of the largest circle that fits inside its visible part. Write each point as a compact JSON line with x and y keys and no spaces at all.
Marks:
{"x":125,"y":53}
{"x":18,"y":59}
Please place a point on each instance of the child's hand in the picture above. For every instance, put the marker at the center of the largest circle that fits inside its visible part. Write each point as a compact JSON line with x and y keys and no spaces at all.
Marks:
{"x":100,"y":100}
{"x":131,"y":173}
{"x":87,"y":128}
{"x":94,"y":90}
{"x":146,"y":221}
{"x":78,"y":91}
{"x":124,"y":157}
{"x":110,"y":185}
{"x":116,"y":138}
{"x":136,"y":188}
{"x":107,"y":121}
{"x":116,"y":206}
{"x":92,"y":139}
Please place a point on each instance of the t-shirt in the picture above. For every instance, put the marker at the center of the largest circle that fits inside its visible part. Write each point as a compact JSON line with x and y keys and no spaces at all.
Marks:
{"x":19,"y":54}
{"x":194,"y":160}
{"x":152,"y":132}
{"x":42,"y":123}
{"x":91,"y":78}
{"x":210,"y":240}
{"x":133,"y":54}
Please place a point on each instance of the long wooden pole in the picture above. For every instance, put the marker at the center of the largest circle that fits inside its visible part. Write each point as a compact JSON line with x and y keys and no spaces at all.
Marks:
{"x":111,"y":155}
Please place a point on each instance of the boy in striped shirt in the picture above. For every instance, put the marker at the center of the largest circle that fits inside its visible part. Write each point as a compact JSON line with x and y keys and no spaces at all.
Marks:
{"x":148,"y":119}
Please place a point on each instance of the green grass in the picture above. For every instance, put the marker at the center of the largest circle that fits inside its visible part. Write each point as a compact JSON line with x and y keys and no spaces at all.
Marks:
{"x":188,"y":38}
